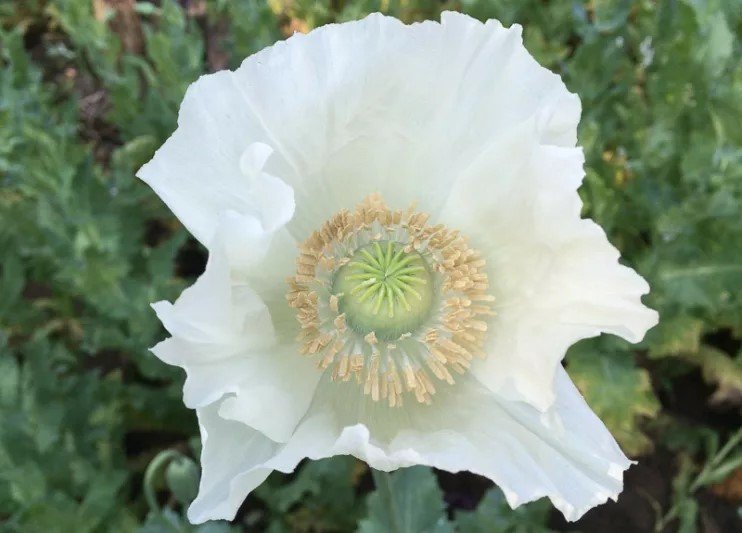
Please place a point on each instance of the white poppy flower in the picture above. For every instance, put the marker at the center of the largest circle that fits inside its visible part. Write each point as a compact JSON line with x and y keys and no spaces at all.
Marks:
{"x":417,"y":185}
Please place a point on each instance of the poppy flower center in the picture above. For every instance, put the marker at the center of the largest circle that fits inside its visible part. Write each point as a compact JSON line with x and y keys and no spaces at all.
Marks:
{"x":385,"y":290}
{"x":389,"y":301}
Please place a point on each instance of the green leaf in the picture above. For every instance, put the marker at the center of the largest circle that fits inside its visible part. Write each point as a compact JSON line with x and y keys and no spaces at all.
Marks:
{"x":406,"y":501}
{"x":12,"y":280}
{"x":720,"y":369}
{"x":717,"y":44}
{"x":101,"y":498}
{"x":167,"y":521}
{"x":9,"y":380}
{"x":494,"y":514}
{"x":27,"y":483}
{"x":611,"y":14}
{"x":322,"y":496}
{"x":675,"y":335}
{"x":618,"y":392}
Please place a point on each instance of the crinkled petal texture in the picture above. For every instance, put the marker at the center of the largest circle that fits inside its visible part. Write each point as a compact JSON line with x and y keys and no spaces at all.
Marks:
{"x":459,"y":119}
{"x":564,"y":453}
{"x":556,"y":277}
{"x":222,"y":335}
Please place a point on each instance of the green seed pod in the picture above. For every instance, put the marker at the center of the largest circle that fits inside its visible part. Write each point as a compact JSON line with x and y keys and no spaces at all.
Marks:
{"x":182,"y":476}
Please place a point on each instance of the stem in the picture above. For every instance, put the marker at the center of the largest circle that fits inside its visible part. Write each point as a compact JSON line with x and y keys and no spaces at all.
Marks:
{"x":154,"y":468}
{"x":716,"y":459}
{"x":666,"y":519}
{"x":383,"y":482}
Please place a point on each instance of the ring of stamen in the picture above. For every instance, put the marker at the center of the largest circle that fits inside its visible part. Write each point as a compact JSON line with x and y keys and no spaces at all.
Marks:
{"x":385,"y":298}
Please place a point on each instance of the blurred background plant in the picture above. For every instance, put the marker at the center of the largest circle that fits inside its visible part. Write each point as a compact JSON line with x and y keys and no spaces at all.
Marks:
{"x":88,"y":90}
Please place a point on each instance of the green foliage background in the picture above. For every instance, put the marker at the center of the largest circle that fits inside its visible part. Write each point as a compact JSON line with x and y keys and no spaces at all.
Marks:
{"x":89,"y":89}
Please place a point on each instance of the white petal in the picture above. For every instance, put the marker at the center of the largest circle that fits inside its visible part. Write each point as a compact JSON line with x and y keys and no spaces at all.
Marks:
{"x":268,"y":279}
{"x":555,"y":277}
{"x":215,"y":311}
{"x":254,"y":159}
{"x":230,"y":466}
{"x":275,"y":393}
{"x":246,"y":242}
{"x":273,"y":198}
{"x":223,"y":337}
{"x":212,"y":370}
{"x":564,"y":453}
{"x":377,"y":106}
{"x":213,"y":164}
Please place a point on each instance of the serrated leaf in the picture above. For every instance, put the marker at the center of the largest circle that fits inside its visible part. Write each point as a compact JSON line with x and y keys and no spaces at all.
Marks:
{"x":720,"y":369}
{"x":494,"y":514}
{"x":406,"y":501}
{"x":324,"y":492}
{"x":618,"y":392}
{"x":717,"y":44}
{"x":675,"y":335}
